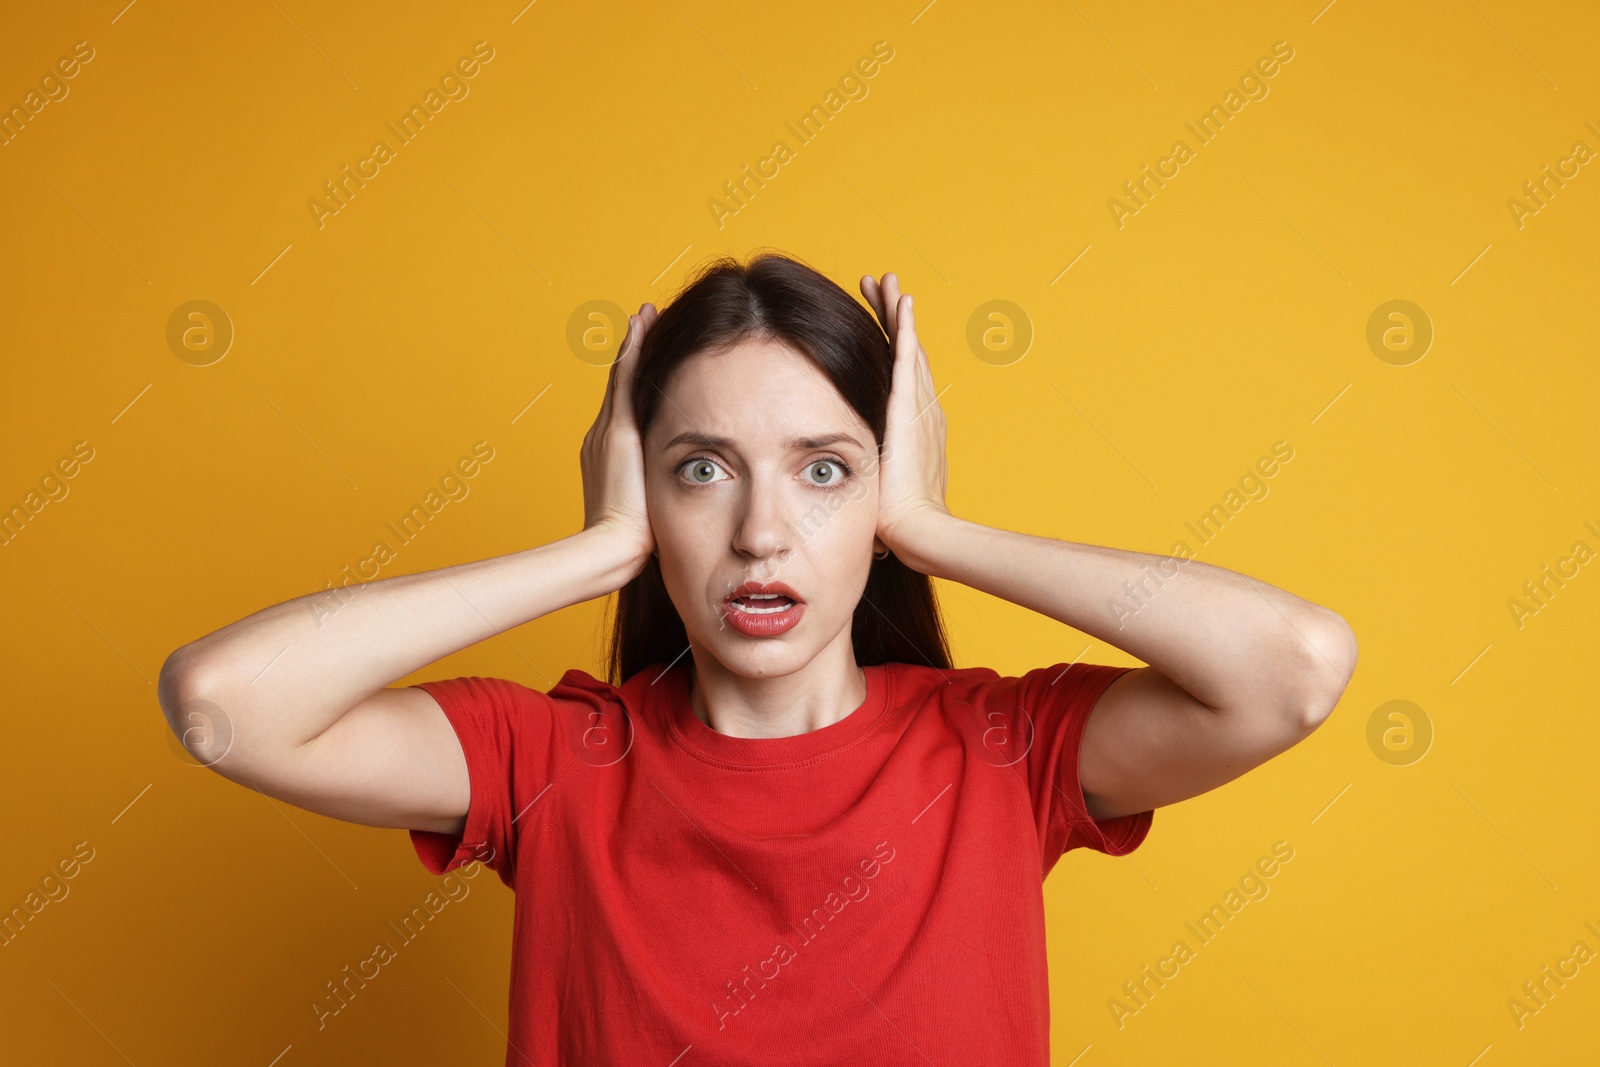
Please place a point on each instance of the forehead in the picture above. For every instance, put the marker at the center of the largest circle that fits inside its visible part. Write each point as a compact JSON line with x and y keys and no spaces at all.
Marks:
{"x":756,"y":393}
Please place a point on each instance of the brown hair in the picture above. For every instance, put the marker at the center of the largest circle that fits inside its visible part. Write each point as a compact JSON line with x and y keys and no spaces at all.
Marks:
{"x":779,"y":298}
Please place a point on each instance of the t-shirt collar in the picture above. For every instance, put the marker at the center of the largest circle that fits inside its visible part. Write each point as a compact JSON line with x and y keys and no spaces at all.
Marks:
{"x":671,"y":694}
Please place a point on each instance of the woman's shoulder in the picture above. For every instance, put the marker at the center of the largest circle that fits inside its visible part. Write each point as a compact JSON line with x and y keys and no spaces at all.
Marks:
{"x":921,"y":683}
{"x":931,"y":674}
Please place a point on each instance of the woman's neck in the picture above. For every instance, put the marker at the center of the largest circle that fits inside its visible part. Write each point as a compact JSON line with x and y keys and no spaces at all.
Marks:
{"x":818,"y":694}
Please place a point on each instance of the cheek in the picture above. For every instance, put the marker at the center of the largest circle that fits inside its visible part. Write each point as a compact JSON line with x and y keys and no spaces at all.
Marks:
{"x":685,"y":546}
{"x":840,"y":546}
{"x":676,"y":517}
{"x":851,"y":518}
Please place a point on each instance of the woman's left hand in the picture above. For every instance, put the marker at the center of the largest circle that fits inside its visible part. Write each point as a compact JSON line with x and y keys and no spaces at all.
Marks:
{"x":912,"y":474}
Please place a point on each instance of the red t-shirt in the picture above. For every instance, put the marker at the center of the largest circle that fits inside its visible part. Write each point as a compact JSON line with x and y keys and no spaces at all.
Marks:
{"x":870,"y":893}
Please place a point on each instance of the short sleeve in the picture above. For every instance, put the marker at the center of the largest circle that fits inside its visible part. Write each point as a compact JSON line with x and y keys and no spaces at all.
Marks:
{"x":507,"y":733}
{"x":1055,"y":703}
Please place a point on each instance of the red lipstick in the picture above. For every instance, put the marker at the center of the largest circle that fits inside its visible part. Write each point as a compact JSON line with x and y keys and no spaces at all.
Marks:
{"x":762,"y":609}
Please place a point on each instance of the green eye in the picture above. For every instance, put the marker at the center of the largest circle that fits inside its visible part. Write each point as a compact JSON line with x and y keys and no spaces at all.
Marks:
{"x":703,"y":470}
{"x":828,"y":469}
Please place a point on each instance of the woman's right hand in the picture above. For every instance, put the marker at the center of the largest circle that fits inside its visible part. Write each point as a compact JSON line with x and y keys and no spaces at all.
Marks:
{"x":612,"y":457}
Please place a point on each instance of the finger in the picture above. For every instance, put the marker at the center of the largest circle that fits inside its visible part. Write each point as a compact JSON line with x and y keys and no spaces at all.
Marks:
{"x":638,"y":324}
{"x":890,"y":288}
{"x":618,"y":371}
{"x":908,"y":325}
{"x":627,"y":364}
{"x":611,"y":379}
{"x":869,"y":289}
{"x":905,"y":344}
{"x":922,"y":370}
{"x":874,"y":294}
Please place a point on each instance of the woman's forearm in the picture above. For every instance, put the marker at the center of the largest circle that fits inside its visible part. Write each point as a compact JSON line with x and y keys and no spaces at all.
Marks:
{"x":288,"y":672}
{"x":1228,"y":639}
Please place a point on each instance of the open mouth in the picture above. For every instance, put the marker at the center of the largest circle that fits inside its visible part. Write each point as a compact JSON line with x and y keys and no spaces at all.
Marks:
{"x":762,"y":603}
{"x":762,"y":609}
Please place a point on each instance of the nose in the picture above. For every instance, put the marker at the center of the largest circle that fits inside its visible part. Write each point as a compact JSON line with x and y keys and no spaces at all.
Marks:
{"x":762,"y":533}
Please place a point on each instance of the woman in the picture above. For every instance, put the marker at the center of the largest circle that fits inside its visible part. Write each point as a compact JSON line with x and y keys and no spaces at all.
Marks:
{"x":786,"y":830}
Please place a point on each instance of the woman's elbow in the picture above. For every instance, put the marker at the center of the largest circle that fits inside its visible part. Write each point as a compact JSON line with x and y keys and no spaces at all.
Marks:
{"x":185,"y":690}
{"x":1331,"y":660}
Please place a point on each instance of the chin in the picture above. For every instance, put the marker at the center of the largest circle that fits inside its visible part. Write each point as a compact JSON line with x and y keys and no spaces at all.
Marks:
{"x":761,"y":657}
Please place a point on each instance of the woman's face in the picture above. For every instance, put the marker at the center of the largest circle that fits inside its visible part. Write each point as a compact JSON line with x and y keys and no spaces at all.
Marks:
{"x":756,"y":469}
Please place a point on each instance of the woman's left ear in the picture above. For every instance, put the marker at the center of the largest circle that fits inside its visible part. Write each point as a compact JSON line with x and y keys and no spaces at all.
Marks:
{"x":879,"y":549}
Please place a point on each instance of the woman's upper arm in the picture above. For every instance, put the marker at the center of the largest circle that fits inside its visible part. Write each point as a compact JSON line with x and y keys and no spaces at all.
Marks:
{"x":393,"y":760}
{"x":1149,"y":743}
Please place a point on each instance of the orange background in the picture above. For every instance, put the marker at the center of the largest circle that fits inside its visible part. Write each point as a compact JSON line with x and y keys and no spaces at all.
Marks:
{"x":1168,"y":354}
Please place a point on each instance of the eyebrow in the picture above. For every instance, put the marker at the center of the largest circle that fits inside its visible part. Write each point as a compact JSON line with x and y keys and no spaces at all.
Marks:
{"x":706,"y":440}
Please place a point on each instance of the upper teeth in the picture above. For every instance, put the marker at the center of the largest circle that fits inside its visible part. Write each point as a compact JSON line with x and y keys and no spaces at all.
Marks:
{"x":762,"y":596}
